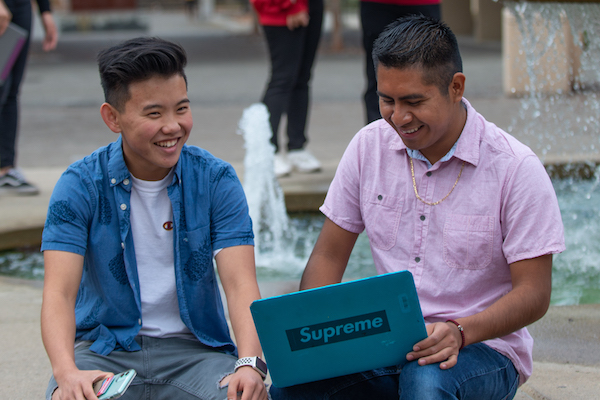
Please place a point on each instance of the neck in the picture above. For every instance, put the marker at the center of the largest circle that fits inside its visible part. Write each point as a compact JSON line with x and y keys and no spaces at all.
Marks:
{"x":454,"y":131}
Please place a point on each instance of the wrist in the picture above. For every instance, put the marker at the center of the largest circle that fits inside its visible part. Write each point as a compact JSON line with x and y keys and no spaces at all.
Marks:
{"x":62,"y":374}
{"x":256,"y":363}
{"x":461,"y":330}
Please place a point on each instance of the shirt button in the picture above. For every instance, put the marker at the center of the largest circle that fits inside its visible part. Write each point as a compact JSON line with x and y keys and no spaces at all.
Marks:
{"x":418,"y":259}
{"x":123,"y":207}
{"x":422,"y":218}
{"x":122,"y":245}
{"x":429,"y":173}
{"x":379,"y":197}
{"x":125,"y":182}
{"x":113,"y":181}
{"x":185,"y":239}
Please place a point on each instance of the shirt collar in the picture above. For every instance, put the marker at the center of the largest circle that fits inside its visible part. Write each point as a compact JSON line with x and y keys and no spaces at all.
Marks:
{"x":416,"y":154}
{"x":466,"y":148}
{"x":117,"y":169}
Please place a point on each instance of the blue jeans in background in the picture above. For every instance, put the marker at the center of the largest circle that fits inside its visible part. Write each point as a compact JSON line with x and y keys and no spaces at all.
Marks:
{"x":481,"y":373}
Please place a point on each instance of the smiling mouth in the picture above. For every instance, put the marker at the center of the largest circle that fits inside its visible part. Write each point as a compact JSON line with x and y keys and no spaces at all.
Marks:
{"x":167,"y":143}
{"x":408,"y":132}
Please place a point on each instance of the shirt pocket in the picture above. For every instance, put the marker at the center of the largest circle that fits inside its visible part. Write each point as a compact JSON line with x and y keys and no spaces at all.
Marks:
{"x":381,"y":214}
{"x":196,"y":253}
{"x":468,"y":241}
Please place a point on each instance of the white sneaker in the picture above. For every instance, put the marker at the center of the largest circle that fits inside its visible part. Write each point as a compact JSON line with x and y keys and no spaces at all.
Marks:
{"x":304,"y":161}
{"x":14,"y":183}
{"x":281,"y":165}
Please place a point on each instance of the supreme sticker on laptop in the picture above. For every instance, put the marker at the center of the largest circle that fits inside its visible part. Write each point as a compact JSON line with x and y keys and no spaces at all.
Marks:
{"x":340,"y":330}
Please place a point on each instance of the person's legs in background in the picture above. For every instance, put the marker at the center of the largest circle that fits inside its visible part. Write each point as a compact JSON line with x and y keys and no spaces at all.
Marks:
{"x":285,"y":49}
{"x":11,"y":180}
{"x":374,"y":18}
{"x":298,"y":108}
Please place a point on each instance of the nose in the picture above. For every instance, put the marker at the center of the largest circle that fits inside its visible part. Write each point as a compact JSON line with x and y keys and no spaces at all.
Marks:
{"x":171,"y":125}
{"x":401,"y":115}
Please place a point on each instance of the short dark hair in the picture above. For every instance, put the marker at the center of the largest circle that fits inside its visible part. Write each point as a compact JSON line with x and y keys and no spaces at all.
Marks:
{"x":420,"y":41}
{"x":136,"y":60}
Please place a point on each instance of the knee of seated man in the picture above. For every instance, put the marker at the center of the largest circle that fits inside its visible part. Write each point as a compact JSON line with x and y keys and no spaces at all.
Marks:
{"x":424,"y":381}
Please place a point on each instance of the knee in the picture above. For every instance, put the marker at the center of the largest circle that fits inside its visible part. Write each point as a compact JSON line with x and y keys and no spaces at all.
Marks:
{"x":425,"y":382}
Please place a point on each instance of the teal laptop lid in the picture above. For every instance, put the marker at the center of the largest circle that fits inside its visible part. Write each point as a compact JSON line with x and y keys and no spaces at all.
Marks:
{"x":339,"y":329}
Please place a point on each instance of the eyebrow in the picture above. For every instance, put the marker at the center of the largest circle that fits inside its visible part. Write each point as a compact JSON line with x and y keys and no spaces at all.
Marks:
{"x":152,"y":106}
{"x":413,"y":96}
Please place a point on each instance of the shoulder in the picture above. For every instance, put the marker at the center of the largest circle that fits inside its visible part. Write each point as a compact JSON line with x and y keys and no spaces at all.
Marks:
{"x":378,"y":135}
{"x":91,"y":166}
{"x":195,"y":160}
{"x":495,"y":144}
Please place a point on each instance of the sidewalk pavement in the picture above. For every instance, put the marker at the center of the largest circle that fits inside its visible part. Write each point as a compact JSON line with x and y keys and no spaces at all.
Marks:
{"x":227,"y":70}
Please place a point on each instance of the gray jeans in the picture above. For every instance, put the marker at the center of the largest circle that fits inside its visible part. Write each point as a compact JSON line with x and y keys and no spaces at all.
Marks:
{"x":166,"y":369}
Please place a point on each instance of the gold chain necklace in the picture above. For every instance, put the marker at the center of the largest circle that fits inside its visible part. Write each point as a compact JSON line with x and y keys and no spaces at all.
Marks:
{"x":412,"y":172}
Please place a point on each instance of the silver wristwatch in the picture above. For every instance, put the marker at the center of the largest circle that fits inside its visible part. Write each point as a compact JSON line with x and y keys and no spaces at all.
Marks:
{"x":255,"y":362}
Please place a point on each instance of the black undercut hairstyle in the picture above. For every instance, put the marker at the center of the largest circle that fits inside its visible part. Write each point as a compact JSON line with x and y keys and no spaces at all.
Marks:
{"x":136,"y":60}
{"x":420,"y":41}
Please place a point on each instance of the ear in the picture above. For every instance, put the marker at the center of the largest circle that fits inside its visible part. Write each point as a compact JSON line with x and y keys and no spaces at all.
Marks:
{"x":110,"y":115}
{"x":457,"y":87}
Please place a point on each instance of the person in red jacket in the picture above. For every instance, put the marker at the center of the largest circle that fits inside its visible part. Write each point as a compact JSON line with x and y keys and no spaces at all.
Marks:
{"x":375,"y":15}
{"x":293,"y":31}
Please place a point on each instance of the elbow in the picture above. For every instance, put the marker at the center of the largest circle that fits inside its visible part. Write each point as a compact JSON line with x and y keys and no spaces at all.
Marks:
{"x":540,"y":305}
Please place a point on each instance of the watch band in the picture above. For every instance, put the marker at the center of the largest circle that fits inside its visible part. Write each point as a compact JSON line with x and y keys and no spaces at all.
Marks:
{"x":255,"y":362}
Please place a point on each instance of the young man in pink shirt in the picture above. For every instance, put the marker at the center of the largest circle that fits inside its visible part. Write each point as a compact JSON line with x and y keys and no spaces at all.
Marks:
{"x":462,"y":205}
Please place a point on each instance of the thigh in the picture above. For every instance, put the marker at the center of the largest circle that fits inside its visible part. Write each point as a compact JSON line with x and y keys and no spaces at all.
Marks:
{"x":115,"y":362}
{"x":184,"y":369}
{"x":480,"y":373}
{"x":286,"y":49}
{"x":166,"y":369}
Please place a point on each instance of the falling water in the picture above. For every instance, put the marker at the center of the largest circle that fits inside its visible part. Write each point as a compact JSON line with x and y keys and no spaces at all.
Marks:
{"x":281,"y":248}
{"x":561,"y":52}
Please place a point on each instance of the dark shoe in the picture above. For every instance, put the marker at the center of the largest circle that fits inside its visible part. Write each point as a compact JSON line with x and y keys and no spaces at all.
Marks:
{"x":14,"y":183}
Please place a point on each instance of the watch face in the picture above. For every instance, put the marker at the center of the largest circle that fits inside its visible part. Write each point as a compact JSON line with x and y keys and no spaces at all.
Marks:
{"x":255,"y":362}
{"x":260,"y":364}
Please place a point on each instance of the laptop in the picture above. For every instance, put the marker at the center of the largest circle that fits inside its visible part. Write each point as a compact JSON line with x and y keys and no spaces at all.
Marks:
{"x":339,"y":329}
{"x":11,"y":43}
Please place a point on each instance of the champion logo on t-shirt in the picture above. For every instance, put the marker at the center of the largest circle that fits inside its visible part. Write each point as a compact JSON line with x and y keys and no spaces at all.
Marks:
{"x":168,"y":226}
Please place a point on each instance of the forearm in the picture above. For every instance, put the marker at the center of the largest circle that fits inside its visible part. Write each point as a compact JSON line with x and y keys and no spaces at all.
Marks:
{"x":329,"y":257}
{"x":238,"y":302}
{"x":238,"y":276}
{"x":58,"y":333}
{"x":512,"y":312}
{"x":63,"y":272}
{"x":319,"y":272}
{"x":51,"y":36}
{"x":527,"y":302}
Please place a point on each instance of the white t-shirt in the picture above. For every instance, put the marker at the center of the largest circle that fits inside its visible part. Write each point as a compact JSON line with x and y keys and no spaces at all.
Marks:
{"x":152,"y":228}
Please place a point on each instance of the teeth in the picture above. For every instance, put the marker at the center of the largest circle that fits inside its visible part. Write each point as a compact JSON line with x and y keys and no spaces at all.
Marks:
{"x":411,"y":131}
{"x":167,"y":143}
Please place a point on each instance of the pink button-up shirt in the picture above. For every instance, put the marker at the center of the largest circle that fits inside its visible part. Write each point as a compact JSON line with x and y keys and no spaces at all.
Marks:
{"x":502,"y":210}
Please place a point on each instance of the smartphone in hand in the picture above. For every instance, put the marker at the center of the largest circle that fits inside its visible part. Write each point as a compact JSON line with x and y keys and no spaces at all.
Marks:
{"x":115,"y":386}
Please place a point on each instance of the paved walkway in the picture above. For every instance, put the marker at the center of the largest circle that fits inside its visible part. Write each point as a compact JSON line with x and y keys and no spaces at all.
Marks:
{"x":227,"y":71}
